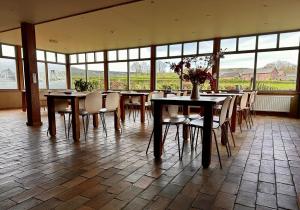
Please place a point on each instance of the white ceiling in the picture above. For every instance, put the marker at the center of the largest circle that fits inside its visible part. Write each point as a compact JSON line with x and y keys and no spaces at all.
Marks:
{"x":162,"y":21}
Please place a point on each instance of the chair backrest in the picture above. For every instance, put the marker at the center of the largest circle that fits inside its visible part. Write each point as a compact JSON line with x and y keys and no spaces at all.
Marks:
{"x":135,"y":99}
{"x":224,"y":110}
{"x":185,"y":93}
{"x":252,"y":98}
{"x":112,"y":101}
{"x":244,"y":100}
{"x":149,"y":97}
{"x":60,"y":104}
{"x":172,"y":109}
{"x":178,"y":93}
{"x":93,"y":102}
{"x":231,"y":107}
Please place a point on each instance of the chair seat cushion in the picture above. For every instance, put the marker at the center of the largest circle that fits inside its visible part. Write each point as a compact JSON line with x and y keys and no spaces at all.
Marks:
{"x":104,"y":110}
{"x":176,"y":120}
{"x":199,"y":123}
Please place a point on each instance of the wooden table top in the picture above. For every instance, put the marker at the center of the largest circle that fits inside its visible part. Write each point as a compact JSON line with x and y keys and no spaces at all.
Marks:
{"x":134,"y":94}
{"x":221,"y":94}
{"x":186,"y":100}
{"x":66,"y":95}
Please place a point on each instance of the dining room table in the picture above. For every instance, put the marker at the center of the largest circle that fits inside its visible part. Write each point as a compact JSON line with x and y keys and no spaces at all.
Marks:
{"x":142,"y":101}
{"x":206,"y":102}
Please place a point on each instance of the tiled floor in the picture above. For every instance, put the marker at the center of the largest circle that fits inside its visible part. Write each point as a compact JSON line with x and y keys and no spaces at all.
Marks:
{"x":112,"y":173}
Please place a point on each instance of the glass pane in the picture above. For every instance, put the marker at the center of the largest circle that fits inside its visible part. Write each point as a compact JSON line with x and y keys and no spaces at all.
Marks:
{"x":122,"y":54}
{"x":247,"y":43}
{"x":291,"y":39}
{"x":112,"y":55}
{"x":8,"y":50}
{"x":277,"y":70}
{"x":267,"y":41}
{"x":40,"y":55}
{"x":162,"y":51}
{"x":118,"y":75}
{"x":145,"y":52}
{"x":8,"y":76}
{"x":90,"y":57}
{"x":236,"y":69}
{"x":228,"y":45}
{"x":206,"y":47}
{"x":99,"y":56}
{"x":57,"y":76}
{"x":73,"y":58}
{"x":42,"y":75}
{"x":190,"y":48}
{"x":50,"y":56}
{"x":95,"y":74}
{"x":77,"y":73}
{"x":134,"y":53}
{"x":139,"y":75}
{"x":61,"y":58}
{"x":165,"y":76}
{"x":175,"y":49}
{"x":81,"y":58}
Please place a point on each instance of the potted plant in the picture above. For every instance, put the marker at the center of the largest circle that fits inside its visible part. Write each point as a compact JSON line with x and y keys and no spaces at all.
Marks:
{"x":82,"y":86}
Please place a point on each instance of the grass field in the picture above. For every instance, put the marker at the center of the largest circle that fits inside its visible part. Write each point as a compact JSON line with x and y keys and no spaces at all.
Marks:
{"x":142,"y":82}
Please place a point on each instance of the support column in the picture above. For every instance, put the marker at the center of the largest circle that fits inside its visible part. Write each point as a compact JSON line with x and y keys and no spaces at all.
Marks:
{"x":152,"y":68}
{"x":68,"y":72}
{"x":216,"y":67}
{"x":106,"y":82}
{"x":31,"y":74}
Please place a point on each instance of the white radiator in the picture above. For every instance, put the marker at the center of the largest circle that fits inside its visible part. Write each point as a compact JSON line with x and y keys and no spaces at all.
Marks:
{"x":271,"y":103}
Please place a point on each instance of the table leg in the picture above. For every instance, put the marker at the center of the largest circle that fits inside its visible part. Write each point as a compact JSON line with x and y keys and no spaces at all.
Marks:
{"x":122,"y":108}
{"x":157,"y":128}
{"x":95,"y":120}
{"x":185,"y":131}
{"x":51,"y":116}
{"x":24,"y":105}
{"x":142,"y":109}
{"x":117,"y":119}
{"x":207,"y":135}
{"x":75,"y":118}
{"x":233,"y":117}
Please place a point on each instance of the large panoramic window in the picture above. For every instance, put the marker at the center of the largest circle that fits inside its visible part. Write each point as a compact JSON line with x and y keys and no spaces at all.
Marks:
{"x":236,"y":71}
{"x":95,"y":74}
{"x":42,"y":75}
{"x":78,"y":72}
{"x":118,"y":75}
{"x":8,"y":76}
{"x":164,"y":76}
{"x":57,"y":76}
{"x":277,"y":70}
{"x":139,"y":75}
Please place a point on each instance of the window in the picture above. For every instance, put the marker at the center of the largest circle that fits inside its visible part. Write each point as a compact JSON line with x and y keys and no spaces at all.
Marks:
{"x":165,"y":76}
{"x":40,"y":55}
{"x":145,"y":52}
{"x":42,"y":75}
{"x":8,"y":76}
{"x":175,"y":49}
{"x":134,"y":53}
{"x":90,"y":57}
{"x":122,"y":54}
{"x":247,"y":43}
{"x":50,"y":56}
{"x":95,"y":74}
{"x":277,"y":70}
{"x":139,"y":75}
{"x":206,"y":47}
{"x":118,"y":75}
{"x":267,"y":41}
{"x":99,"y":56}
{"x":81,"y":58}
{"x":162,"y":51}
{"x":77,"y":72}
{"x":57,"y":76}
{"x":112,"y":55}
{"x":73,"y":58}
{"x":236,"y":70}
{"x":61,"y":58}
{"x":228,"y":45}
{"x":8,"y":50}
{"x":291,"y":39}
{"x":190,"y":48}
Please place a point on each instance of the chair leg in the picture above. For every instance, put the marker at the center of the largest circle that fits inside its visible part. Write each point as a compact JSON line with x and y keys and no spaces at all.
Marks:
{"x":69,"y":125}
{"x":102,"y":117}
{"x":166,"y":133}
{"x":150,"y":141}
{"x":64,"y":116}
{"x":83,"y":122}
{"x":87,"y":125}
{"x":215,"y":137}
{"x":198,"y":130}
{"x":233,"y":140}
{"x":178,"y":141}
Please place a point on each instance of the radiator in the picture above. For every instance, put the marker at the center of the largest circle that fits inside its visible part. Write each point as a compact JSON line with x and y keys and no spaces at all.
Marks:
{"x":271,"y":103}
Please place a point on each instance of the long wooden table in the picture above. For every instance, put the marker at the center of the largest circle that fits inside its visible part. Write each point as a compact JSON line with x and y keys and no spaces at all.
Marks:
{"x":206,"y":102}
{"x":125,"y":95}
